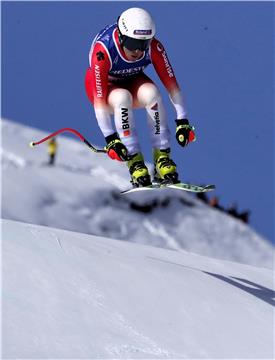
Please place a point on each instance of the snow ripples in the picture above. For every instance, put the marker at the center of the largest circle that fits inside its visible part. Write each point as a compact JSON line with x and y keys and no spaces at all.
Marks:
{"x":9,"y":159}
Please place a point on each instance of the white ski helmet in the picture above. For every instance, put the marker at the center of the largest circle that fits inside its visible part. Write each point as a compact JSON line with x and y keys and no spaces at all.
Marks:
{"x":136,"y":28}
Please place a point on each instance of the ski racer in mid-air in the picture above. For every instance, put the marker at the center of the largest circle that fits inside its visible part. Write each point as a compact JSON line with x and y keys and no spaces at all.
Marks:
{"x":116,"y":84}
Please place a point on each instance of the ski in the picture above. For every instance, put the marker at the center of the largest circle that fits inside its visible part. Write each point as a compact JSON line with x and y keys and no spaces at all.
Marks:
{"x":178,"y":186}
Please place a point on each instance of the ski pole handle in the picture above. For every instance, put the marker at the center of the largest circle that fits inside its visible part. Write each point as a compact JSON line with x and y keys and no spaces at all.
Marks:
{"x":75,"y":132}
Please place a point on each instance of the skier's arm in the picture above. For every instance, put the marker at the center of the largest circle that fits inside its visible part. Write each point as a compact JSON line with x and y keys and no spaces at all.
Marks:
{"x":166,"y":74}
{"x":100,"y":65}
{"x":184,"y":132}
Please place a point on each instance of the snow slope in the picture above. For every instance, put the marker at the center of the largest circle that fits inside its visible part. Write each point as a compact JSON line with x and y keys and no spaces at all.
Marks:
{"x":82,"y":193}
{"x":71,"y":295}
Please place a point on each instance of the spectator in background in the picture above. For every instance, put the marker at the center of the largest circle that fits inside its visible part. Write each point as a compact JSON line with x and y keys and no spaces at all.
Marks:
{"x":214,"y":202}
{"x":52,"y":148}
{"x":232,"y":210}
{"x":243,"y":216}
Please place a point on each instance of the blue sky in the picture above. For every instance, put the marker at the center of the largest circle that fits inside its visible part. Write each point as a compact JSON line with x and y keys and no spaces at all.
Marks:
{"x":222,"y":54}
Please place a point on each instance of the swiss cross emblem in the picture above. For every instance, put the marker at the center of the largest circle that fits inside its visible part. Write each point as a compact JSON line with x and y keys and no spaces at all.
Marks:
{"x":100,"y":56}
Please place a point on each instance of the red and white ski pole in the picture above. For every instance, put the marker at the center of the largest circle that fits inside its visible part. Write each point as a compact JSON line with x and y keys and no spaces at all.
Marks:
{"x":75,"y":132}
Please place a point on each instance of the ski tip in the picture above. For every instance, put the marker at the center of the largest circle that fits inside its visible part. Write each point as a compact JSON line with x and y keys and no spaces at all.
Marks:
{"x":141,"y":188}
{"x":31,"y":144}
{"x":210,"y":187}
{"x":132,"y":190}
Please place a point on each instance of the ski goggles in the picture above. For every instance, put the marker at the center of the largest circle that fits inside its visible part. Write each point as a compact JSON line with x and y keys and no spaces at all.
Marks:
{"x":135,"y":44}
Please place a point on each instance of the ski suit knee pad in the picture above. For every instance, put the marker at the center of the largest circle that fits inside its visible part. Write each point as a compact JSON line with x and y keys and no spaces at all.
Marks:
{"x":148,"y":94}
{"x":120,"y":98}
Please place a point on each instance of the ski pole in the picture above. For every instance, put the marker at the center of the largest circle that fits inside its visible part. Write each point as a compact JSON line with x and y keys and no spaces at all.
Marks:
{"x":75,"y":132}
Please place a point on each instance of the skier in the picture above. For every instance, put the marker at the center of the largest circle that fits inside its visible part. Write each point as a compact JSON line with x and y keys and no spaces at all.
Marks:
{"x":52,"y":147}
{"x":116,"y":84}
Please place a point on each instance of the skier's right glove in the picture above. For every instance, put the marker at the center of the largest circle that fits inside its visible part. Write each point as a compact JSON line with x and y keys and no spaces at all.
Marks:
{"x":184,"y":132}
{"x":115,"y":149}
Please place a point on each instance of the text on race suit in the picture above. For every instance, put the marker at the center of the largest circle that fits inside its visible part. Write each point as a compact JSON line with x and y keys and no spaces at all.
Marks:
{"x":98,"y":82}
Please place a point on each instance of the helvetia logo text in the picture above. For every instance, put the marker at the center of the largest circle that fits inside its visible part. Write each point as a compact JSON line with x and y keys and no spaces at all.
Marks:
{"x":157,"y":123}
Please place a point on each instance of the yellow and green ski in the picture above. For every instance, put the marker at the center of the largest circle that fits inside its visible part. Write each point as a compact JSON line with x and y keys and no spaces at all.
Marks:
{"x":178,"y":186}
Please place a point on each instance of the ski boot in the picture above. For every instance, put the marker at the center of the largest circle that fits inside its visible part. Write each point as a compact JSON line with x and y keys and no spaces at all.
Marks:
{"x":165,"y":171}
{"x":138,"y":171}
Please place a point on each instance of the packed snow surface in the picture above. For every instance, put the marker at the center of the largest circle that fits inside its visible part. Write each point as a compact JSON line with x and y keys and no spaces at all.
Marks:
{"x":72,"y":295}
{"x":90,"y":273}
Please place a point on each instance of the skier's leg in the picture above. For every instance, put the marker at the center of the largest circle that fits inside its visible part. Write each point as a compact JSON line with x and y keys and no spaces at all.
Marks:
{"x":121,"y":101}
{"x":149,"y":97}
{"x":51,"y":159}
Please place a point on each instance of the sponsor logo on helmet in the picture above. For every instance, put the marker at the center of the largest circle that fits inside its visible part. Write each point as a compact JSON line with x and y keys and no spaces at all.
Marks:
{"x":142,"y":32}
{"x":124,"y":25}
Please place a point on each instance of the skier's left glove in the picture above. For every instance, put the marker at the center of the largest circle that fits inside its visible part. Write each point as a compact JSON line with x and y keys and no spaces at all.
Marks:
{"x":184,"y":132}
{"x":115,"y":149}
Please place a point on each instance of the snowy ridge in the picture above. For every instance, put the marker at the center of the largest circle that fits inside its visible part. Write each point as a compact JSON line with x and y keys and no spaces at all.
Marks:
{"x":71,"y":295}
{"x":85,"y":188}
{"x":68,"y":294}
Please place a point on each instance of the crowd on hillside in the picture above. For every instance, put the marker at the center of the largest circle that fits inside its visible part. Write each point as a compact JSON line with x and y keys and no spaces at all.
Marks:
{"x":231,"y":210}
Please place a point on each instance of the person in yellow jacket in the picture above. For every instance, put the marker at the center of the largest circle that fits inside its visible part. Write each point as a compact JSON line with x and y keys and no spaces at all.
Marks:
{"x":52,"y":148}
